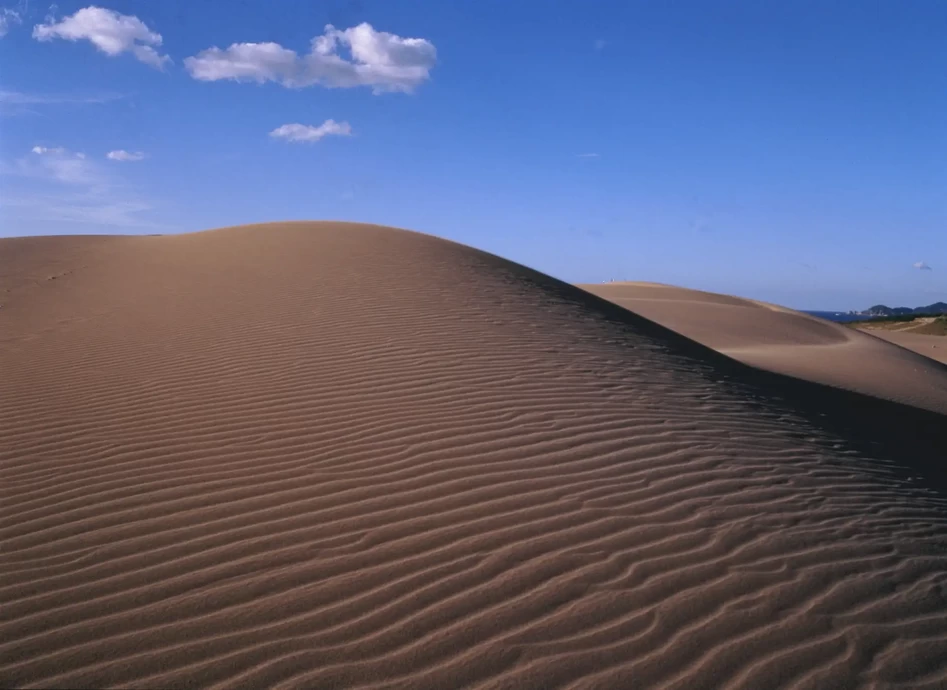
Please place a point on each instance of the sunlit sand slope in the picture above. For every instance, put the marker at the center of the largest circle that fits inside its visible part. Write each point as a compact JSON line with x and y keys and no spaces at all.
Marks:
{"x":789,"y":342}
{"x":323,"y":455}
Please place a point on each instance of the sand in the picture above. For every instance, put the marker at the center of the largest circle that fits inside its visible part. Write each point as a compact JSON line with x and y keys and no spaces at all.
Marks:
{"x":921,"y":325}
{"x":933,"y":346}
{"x":313,"y":455}
{"x":788,"y":342}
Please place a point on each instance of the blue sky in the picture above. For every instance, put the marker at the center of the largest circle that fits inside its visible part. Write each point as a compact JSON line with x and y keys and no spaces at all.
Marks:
{"x":788,"y":151}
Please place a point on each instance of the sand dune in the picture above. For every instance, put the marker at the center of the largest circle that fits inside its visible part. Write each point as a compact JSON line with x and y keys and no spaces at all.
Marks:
{"x":789,"y":342}
{"x":312,"y":455}
{"x":933,"y":346}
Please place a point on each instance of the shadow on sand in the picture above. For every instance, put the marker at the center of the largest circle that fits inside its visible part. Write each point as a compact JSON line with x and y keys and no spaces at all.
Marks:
{"x":910,"y":442}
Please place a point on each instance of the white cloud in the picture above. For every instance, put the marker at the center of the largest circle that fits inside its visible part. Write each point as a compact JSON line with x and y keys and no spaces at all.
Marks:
{"x":380,"y":60}
{"x":310,"y":134}
{"x":8,"y":18}
{"x":107,"y":30}
{"x":921,"y":266}
{"x":125,"y":156}
{"x":257,"y":62}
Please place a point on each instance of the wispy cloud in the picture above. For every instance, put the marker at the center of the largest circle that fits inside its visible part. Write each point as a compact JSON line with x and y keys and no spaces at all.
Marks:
{"x":309,"y":134}
{"x":588,"y":155}
{"x":56,"y":163}
{"x":43,"y":151}
{"x":8,"y":18}
{"x":379,"y":60}
{"x":125,"y":156}
{"x":82,"y":209}
{"x":21,"y":98}
{"x":13,"y":103}
{"x":921,"y":266}
{"x":600,"y":44}
{"x":112,"y":33}
{"x":54,"y":184}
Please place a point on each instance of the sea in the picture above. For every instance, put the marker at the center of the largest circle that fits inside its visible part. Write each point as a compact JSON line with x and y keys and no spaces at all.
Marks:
{"x":837,"y":316}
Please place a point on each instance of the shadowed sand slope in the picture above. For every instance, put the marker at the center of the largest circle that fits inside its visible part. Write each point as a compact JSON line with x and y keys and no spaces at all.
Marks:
{"x":317,"y":455}
{"x":933,"y":346}
{"x":789,"y":342}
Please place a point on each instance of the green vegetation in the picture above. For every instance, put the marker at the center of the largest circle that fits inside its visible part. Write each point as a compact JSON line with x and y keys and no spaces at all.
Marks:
{"x":936,"y":327}
{"x":900,"y":322}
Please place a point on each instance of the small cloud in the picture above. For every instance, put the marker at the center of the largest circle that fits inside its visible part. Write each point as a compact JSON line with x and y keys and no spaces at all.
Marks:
{"x":588,"y":155}
{"x":921,"y":266}
{"x":42,"y":150}
{"x":125,"y":156}
{"x":380,"y":60}
{"x":110,"y":32}
{"x":8,"y":18}
{"x":600,"y":44}
{"x":309,"y":134}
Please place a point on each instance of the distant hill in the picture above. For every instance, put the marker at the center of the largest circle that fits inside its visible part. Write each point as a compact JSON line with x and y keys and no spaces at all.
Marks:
{"x":935,"y":308}
{"x":882,"y":310}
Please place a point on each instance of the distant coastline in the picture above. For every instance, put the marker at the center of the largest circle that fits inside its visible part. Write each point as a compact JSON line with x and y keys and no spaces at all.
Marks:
{"x":880,"y":311}
{"x":838,"y":316}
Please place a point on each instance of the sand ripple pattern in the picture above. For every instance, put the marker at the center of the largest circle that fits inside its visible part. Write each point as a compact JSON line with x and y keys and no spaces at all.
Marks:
{"x":321,"y":455}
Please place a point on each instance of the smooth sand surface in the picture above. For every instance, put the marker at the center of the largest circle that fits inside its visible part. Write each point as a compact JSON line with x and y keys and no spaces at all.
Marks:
{"x":314,"y":455}
{"x":933,"y":346}
{"x":789,"y":342}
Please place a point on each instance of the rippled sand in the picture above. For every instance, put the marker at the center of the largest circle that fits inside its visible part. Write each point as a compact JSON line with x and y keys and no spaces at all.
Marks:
{"x":331,"y":455}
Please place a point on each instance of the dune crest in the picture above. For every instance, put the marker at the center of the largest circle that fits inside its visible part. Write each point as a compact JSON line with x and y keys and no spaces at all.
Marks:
{"x":335,"y":455}
{"x":789,"y":342}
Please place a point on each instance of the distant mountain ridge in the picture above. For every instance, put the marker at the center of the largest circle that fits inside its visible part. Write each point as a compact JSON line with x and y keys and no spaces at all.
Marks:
{"x":882,"y":310}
